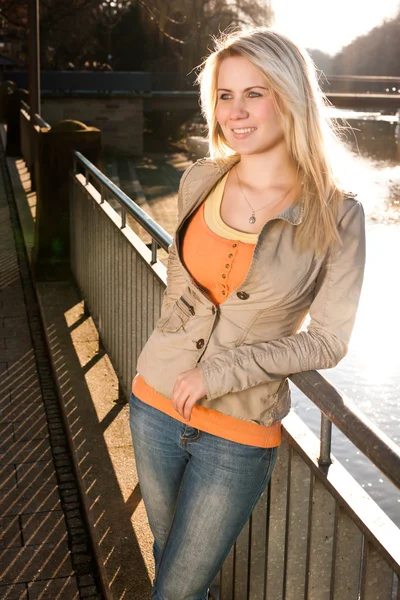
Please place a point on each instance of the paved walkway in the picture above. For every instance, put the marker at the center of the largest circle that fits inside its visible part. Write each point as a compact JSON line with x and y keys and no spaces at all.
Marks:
{"x":44,"y":548}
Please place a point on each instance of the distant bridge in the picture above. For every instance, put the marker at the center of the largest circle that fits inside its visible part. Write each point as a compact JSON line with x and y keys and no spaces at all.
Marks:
{"x":174,"y":92}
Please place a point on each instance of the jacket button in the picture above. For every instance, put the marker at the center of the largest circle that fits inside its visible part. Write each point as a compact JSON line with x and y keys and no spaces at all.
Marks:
{"x":200,"y":344}
{"x":243,"y":295}
{"x":230,"y":255}
{"x":213,"y":310}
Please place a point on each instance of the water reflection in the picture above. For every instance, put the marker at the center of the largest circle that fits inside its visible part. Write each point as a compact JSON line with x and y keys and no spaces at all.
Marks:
{"x":368,"y":164}
{"x":374,"y":139}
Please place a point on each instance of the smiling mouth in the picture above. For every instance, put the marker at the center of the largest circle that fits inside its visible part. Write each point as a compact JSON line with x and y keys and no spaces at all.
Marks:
{"x":244,"y":130}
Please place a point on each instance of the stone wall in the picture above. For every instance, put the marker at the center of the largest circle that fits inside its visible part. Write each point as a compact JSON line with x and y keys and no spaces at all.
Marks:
{"x":120,"y":119}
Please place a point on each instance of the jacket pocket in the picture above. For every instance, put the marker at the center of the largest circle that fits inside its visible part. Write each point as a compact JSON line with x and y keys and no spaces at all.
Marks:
{"x":176,"y":317}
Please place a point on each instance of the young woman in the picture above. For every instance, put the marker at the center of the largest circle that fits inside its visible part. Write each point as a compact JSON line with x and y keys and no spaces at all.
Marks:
{"x":265,"y":236}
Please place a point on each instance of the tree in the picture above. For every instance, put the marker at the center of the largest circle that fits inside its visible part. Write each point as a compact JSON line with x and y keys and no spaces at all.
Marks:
{"x":14,"y":13}
{"x":375,"y":53}
{"x":189,"y":24}
{"x":162,"y":34}
{"x":68,"y":28}
{"x":322,"y":61}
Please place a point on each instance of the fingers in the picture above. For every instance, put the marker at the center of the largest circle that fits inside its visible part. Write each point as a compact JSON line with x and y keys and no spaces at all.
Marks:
{"x":181,"y":400}
{"x":188,"y":389}
{"x":182,"y":405}
{"x":187,"y":408}
{"x":178,"y":398}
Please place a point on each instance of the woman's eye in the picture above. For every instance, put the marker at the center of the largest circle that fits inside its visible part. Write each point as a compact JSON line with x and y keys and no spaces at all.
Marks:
{"x":254,"y":95}
{"x":224,"y":96}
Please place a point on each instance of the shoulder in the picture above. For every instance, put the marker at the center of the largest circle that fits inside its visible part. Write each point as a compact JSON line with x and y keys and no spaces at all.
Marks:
{"x":204,"y":168}
{"x":350,"y":207}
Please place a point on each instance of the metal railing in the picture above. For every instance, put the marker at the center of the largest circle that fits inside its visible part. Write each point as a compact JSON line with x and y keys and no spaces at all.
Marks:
{"x":29,"y":135}
{"x":37,"y":119}
{"x":315,"y":534}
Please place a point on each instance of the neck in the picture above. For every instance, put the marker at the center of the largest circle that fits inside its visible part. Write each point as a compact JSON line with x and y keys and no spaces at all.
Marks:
{"x":262,"y":171}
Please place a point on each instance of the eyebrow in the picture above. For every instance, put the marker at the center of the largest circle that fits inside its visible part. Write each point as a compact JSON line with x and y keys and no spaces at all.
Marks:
{"x":246,"y":90}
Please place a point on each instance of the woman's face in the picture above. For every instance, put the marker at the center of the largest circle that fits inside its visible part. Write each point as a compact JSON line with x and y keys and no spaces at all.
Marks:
{"x":245,"y":108}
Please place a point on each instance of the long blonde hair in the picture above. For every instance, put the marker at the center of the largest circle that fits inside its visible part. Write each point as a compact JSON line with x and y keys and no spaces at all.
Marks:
{"x":291,"y":78}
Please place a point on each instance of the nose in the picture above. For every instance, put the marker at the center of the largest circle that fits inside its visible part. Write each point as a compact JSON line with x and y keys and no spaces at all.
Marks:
{"x":238,"y":109}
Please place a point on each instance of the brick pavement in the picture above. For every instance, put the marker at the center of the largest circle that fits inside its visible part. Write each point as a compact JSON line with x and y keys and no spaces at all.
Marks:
{"x":38,"y":520}
{"x":37,"y":530}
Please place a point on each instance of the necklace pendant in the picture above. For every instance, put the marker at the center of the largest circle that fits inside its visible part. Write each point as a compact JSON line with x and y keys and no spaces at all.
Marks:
{"x":252,"y":219}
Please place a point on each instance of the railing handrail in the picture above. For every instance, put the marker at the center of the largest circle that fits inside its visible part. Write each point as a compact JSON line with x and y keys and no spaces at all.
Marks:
{"x":37,"y":119}
{"x":161,"y":237}
{"x":383,"y":452}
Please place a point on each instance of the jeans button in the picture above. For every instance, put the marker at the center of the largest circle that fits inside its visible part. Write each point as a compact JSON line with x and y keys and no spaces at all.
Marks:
{"x":200,"y":344}
{"x":243,"y":295}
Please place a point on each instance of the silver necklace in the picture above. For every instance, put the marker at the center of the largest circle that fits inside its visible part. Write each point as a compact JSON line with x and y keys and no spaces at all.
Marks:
{"x":252,"y":218}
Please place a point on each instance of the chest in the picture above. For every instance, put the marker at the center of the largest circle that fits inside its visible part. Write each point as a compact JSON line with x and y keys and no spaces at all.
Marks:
{"x":246,"y":214}
{"x":270,"y":272}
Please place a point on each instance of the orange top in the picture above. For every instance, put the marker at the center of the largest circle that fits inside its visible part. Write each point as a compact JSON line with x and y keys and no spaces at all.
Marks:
{"x":219,"y":263}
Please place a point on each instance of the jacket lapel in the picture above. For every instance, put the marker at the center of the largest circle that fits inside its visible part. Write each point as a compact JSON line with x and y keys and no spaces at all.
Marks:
{"x":200,"y":182}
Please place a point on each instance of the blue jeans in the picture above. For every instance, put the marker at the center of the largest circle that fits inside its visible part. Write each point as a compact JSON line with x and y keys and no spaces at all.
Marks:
{"x":198,"y":490}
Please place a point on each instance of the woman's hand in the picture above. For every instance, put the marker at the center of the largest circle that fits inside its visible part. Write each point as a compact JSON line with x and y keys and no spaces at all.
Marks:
{"x":188,"y":389}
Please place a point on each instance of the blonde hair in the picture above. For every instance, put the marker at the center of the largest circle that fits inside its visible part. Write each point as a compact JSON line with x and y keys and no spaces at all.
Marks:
{"x":291,"y":78}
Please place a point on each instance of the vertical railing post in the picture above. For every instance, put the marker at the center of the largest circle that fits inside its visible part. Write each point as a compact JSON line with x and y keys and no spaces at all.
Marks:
{"x":326,"y":442}
{"x":154,"y":248}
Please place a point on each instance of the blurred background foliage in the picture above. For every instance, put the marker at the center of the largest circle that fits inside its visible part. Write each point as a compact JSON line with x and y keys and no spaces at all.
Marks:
{"x":169,"y":35}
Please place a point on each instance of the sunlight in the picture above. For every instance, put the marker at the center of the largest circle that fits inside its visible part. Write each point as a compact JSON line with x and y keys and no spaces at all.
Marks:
{"x":377,"y":352}
{"x":376,"y":186}
{"x":326,"y":26}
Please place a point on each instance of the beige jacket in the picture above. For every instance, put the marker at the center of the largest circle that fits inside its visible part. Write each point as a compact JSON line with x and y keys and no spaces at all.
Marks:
{"x":247,"y":346}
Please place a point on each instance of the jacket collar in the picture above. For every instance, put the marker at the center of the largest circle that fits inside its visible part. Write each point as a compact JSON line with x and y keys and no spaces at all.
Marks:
{"x":212,"y":171}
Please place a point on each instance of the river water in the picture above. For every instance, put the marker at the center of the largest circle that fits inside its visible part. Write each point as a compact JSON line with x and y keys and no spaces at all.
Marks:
{"x":369,"y":165}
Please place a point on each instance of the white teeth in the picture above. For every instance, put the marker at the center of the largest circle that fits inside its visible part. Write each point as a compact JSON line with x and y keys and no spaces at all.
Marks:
{"x":247,"y":130}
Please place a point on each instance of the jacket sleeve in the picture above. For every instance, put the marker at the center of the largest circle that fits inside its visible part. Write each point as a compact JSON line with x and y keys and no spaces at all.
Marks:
{"x":324,"y":344}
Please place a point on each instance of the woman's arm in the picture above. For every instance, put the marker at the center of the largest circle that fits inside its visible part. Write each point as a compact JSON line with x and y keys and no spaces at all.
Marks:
{"x":324,"y":344}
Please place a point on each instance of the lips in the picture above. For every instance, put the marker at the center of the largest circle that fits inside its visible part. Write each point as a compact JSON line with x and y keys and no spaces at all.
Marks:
{"x":241,"y":133}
